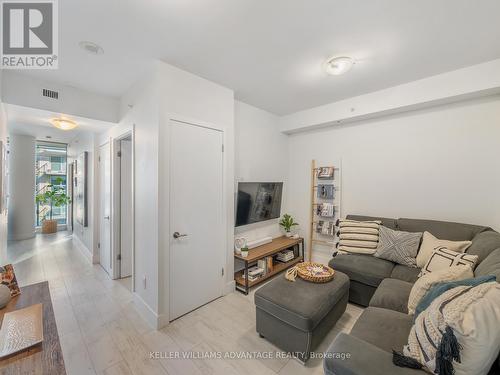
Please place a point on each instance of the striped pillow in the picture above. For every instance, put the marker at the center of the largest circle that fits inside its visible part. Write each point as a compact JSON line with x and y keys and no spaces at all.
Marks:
{"x":443,"y":257}
{"x":359,"y":237}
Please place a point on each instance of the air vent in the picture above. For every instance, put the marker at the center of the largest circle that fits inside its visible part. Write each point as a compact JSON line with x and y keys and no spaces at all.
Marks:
{"x":50,"y":94}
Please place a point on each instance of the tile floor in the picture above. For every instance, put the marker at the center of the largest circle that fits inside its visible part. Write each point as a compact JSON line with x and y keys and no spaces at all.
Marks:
{"x":102,"y":334}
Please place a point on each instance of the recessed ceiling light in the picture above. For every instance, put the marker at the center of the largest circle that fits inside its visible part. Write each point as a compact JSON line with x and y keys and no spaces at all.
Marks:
{"x":63,"y":123}
{"x":338,"y":65}
{"x":91,"y":47}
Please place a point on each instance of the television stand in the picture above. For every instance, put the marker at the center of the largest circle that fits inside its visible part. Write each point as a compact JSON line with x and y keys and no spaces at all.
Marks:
{"x":267,"y":252}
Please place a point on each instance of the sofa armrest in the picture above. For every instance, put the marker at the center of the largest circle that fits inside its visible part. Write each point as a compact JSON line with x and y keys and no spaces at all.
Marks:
{"x":365,"y":359}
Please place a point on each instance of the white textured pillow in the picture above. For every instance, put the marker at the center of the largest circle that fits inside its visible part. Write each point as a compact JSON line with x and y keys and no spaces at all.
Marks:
{"x":426,"y":282}
{"x":444,"y":258}
{"x":472,"y":313}
{"x":430,"y":243}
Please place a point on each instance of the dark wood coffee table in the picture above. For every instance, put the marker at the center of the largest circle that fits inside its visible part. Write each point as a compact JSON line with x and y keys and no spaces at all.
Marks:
{"x":46,"y":357}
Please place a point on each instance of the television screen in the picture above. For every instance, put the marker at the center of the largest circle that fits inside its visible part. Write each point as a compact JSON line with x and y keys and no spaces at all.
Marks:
{"x":258,"y":201}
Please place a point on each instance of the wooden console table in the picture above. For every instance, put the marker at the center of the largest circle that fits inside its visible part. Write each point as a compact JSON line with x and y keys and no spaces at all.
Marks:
{"x":263,"y":251}
{"x":45,"y":358}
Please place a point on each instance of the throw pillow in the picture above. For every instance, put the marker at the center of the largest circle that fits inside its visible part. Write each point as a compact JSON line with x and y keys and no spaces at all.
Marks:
{"x":444,"y":258}
{"x":457,"y":334}
{"x":359,"y":237}
{"x":426,"y":282}
{"x":398,"y":246}
{"x":429,"y":243}
{"x":440,"y":288}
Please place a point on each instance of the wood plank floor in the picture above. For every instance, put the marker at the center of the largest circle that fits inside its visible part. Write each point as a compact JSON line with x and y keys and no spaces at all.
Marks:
{"x":102,"y":334}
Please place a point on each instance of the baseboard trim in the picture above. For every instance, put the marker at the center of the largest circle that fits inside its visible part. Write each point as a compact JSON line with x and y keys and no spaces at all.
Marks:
{"x":148,"y":314}
{"x":229,"y":287}
{"x":81,"y":246}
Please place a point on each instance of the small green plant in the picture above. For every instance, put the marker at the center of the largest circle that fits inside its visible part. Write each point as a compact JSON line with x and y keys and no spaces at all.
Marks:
{"x":287,"y":222}
{"x":54,"y":196}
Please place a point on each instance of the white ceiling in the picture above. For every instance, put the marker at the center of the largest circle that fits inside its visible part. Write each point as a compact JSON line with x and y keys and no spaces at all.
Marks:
{"x":271,"y":52}
{"x":36,"y":122}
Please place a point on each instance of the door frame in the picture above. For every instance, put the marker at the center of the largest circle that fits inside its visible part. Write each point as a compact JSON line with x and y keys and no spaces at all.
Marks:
{"x":116,"y":204}
{"x":174,"y":118}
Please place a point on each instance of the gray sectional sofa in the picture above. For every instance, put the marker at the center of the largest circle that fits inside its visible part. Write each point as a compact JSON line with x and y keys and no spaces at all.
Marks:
{"x":384,"y":287}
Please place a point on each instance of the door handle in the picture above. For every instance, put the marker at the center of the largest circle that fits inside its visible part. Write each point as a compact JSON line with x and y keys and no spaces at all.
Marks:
{"x":106,"y":217}
{"x":178,"y":235}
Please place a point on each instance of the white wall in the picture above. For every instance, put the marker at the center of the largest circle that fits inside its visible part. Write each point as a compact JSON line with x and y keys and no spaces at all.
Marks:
{"x":261,"y":154}
{"x":26,"y":91}
{"x":440,"y":163}
{"x":185,"y":96}
{"x":21,"y":221}
{"x":3,"y":139}
{"x":139,"y":113}
{"x":85,"y":141}
{"x":147,"y":107}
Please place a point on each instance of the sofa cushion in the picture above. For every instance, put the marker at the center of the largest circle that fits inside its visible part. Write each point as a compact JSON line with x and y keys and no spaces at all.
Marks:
{"x":386,"y":329}
{"x":398,"y":246}
{"x":442,"y":229}
{"x":362,"y":268}
{"x":426,"y":282}
{"x":392,"y":294}
{"x":301,"y":304}
{"x":472,"y":314}
{"x":386,"y":222}
{"x":484,"y":243}
{"x":405,"y":273}
{"x":359,"y":237}
{"x":489,"y":266}
{"x":430,"y":243}
{"x":441,"y":288}
{"x":442,"y":258}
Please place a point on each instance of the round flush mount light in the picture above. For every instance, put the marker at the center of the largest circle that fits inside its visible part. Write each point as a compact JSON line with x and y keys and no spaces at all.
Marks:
{"x":63,"y":123}
{"x":91,"y":47}
{"x":339,"y":65}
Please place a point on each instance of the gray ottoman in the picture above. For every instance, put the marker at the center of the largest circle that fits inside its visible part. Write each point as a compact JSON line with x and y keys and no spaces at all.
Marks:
{"x":296,"y":316}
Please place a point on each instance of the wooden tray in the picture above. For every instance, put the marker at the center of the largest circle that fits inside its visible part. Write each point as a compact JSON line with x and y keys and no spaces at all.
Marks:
{"x":315,"y":272}
{"x":21,"y":329}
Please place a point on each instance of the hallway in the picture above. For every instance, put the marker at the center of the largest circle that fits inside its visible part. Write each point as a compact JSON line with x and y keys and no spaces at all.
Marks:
{"x":97,"y":324}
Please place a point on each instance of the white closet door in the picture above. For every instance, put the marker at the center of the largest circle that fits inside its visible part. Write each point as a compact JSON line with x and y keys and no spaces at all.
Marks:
{"x":196,"y":217}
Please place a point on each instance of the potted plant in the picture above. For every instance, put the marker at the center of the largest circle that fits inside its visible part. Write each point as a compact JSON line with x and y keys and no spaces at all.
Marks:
{"x":287,"y":223}
{"x":53,"y":196}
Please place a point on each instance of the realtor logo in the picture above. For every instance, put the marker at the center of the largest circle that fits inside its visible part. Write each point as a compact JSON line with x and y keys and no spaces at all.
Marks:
{"x":29,"y":34}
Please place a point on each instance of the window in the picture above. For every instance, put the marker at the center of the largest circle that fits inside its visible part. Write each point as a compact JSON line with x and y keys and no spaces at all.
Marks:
{"x":51,"y":161}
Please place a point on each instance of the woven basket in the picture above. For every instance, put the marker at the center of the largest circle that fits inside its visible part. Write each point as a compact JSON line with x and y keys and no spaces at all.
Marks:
{"x":49,"y":226}
{"x":313,"y":272}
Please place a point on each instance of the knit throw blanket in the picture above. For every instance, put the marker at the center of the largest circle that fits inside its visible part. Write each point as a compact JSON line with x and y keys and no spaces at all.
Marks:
{"x":432,"y":344}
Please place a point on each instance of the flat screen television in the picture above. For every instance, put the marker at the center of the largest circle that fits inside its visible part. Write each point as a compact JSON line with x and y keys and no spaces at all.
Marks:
{"x":258,"y":201}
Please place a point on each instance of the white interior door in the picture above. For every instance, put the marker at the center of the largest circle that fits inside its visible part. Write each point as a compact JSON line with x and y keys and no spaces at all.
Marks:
{"x":105,"y":207}
{"x":196,"y":217}
{"x":126,"y":208}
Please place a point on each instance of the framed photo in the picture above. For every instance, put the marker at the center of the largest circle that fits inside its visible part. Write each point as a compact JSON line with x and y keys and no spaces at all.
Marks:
{"x":325,"y":173}
{"x":80,"y":189}
{"x":3,"y":177}
{"x":8,"y":277}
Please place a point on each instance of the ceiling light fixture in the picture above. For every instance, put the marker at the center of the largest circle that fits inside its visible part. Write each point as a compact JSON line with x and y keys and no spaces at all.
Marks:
{"x":63,"y":123}
{"x":338,"y":65}
{"x":91,"y":47}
